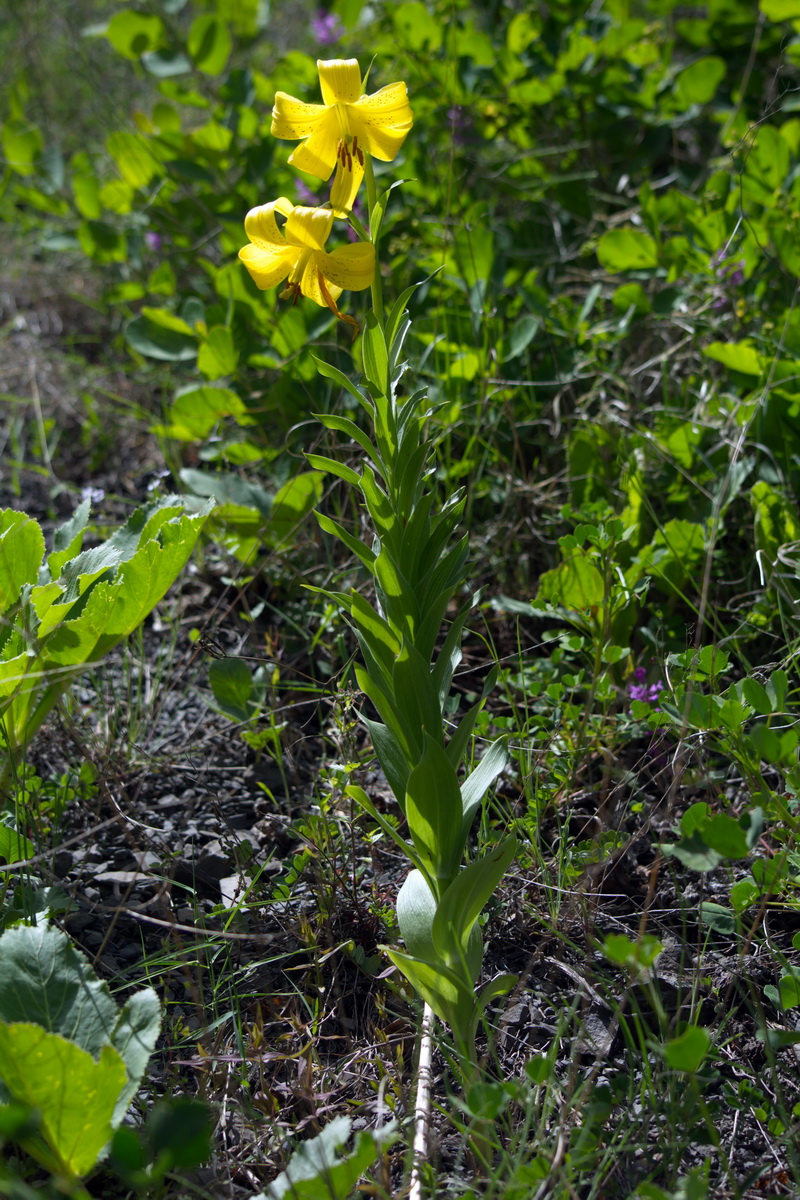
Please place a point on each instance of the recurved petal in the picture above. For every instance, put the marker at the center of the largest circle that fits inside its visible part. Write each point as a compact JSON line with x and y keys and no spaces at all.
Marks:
{"x":339,"y":80}
{"x":268,"y":266}
{"x":345,"y":187}
{"x":262,"y":228}
{"x":351,"y":267}
{"x":310,"y":284}
{"x":309,"y":227}
{"x":317,"y":154}
{"x":381,"y":121}
{"x":293,"y":119}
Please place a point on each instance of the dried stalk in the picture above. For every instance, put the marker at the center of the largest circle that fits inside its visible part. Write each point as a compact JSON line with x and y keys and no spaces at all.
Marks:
{"x":422,"y":1104}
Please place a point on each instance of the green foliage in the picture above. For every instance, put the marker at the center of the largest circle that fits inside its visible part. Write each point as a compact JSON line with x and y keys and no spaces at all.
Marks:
{"x":317,"y":1171}
{"x":66,"y":1050}
{"x":64,"y":610}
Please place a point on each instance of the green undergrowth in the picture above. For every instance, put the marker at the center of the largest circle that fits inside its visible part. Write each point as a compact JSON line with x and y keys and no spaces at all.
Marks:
{"x":596,"y":210}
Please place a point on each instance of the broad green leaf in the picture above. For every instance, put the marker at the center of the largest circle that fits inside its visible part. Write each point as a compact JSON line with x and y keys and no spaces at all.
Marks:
{"x":133,"y":33}
{"x":22,"y":145}
{"x":155,"y":340}
{"x":133,"y":157}
{"x":382,"y":642}
{"x":433,"y":811}
{"x":416,"y":26}
{"x":21,"y":553}
{"x":196,"y":410}
{"x":13,"y":846}
{"x":627,"y":250}
{"x":74,"y":1094}
{"x":292,"y":504}
{"x":134,"y":1038}
{"x":217,"y":355}
{"x":232,"y":683}
{"x":44,"y":979}
{"x":209,"y":44}
{"x":736,"y":356}
{"x":393,"y":762}
{"x":318,"y":1171}
{"x":687,"y":1052}
{"x":575,"y":584}
{"x":726,"y":836}
{"x":415,"y":697}
{"x":693,"y":852}
{"x":780,"y":10}
{"x":228,"y":489}
{"x":717,"y":917}
{"x":698,"y":83}
{"x":416,"y":911}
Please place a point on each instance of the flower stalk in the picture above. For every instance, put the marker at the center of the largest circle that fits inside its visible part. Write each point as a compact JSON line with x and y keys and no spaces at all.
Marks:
{"x":416,"y":559}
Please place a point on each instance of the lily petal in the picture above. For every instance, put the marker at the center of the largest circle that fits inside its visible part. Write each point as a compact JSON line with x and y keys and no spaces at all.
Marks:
{"x":382,"y":121}
{"x":339,"y":80}
{"x":268,"y":266}
{"x":351,"y":267}
{"x":293,"y":119}
{"x":345,"y":187}
{"x":308,"y":227}
{"x":317,"y":154}
{"x":262,"y":228}
{"x":310,"y":283}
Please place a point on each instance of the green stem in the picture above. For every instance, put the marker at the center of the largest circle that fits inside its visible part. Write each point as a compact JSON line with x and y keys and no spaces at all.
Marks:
{"x":372,"y":199}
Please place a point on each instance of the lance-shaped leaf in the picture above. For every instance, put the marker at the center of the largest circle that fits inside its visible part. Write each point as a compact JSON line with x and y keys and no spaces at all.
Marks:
{"x":375,"y":356}
{"x":409,"y":740}
{"x":457,"y":746}
{"x":462,"y":902}
{"x":360,"y":796}
{"x":331,"y":466}
{"x":415,"y":696}
{"x":351,"y":430}
{"x":434,"y":814}
{"x":478,"y":782}
{"x":375,"y":636}
{"x":416,"y":913}
{"x":394,"y":763}
{"x":397,"y":596}
{"x":451,"y":999}
{"x":360,"y":549}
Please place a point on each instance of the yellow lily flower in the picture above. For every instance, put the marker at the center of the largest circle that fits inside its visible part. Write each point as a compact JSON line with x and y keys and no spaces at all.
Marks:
{"x":299,"y":255}
{"x":345,"y":127}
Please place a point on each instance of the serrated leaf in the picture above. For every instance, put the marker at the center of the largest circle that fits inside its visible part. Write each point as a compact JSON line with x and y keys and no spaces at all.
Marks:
{"x":74,"y":1094}
{"x":318,"y":1170}
{"x":21,"y":553}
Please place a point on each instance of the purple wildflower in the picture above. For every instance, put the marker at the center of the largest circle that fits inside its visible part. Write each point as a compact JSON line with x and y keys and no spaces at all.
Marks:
{"x":326,"y":27}
{"x":93,"y":494}
{"x":305,"y":195}
{"x":646,"y":692}
{"x":153,"y":240}
{"x":729,"y":275}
